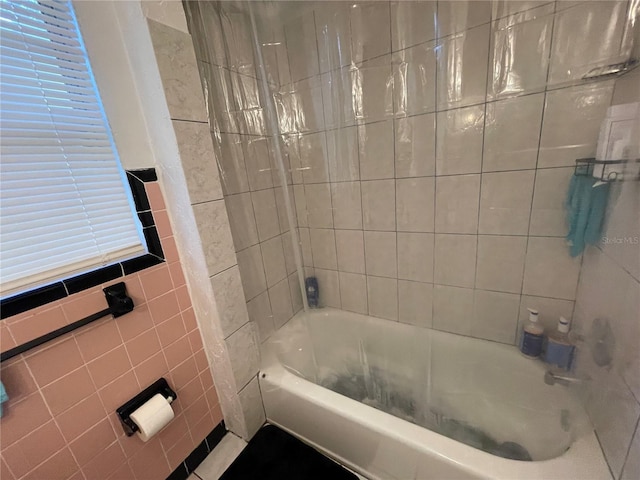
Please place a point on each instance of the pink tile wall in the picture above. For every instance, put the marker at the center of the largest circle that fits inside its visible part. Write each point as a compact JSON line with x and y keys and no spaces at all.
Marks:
{"x":60,"y":421}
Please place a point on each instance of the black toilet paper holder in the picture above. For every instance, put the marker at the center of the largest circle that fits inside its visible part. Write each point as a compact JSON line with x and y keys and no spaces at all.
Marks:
{"x":159,"y":386}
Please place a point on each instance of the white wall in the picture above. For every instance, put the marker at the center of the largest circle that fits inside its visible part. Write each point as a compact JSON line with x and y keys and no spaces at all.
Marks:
{"x":110,"y":64}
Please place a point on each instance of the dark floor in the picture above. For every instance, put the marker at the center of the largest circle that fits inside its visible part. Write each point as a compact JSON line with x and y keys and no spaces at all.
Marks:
{"x":273,"y":454}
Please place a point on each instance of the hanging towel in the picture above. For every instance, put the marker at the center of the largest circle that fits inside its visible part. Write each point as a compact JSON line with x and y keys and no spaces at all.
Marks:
{"x":3,"y":397}
{"x":586,"y":206}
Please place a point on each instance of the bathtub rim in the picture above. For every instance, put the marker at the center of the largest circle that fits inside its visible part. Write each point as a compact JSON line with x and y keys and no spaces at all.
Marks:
{"x":583,"y":459}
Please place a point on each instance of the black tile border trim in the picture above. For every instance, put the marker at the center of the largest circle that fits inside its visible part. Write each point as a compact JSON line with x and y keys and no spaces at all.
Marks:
{"x":195,"y":458}
{"x":56,"y":291}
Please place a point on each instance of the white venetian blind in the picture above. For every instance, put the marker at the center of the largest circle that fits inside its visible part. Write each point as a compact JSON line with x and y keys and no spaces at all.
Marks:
{"x":64,"y":205}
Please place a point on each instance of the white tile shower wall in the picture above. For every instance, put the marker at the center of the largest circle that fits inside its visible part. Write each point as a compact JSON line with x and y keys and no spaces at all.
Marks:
{"x":609,"y":290}
{"x":432,"y":161}
{"x":228,"y":334}
{"x":251,"y":183}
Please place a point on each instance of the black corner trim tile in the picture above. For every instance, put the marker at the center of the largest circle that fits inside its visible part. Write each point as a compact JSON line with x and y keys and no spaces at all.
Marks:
{"x":153,"y":241}
{"x":180,"y":473}
{"x":140,"y":263}
{"x":34,"y":298}
{"x":197,"y":456}
{"x":146,"y":218}
{"x":213,"y":439}
{"x":139,"y":193}
{"x":145,"y":174}
{"x":91,"y":279}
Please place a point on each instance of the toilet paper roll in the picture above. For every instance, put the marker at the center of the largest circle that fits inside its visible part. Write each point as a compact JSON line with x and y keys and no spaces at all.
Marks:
{"x":152,"y":416}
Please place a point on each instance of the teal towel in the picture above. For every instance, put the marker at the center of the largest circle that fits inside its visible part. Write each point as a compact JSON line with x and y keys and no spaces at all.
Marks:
{"x":3,"y":397}
{"x":586,"y":206}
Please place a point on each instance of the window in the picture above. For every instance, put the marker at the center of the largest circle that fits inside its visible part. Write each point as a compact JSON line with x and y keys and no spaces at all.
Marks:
{"x":65,"y":206}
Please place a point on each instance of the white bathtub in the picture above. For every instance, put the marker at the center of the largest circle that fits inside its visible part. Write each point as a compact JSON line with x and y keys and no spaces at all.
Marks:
{"x":479,"y":392}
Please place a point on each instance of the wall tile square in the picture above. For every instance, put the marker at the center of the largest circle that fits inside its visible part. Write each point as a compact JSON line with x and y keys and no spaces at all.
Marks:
{"x":414,"y":79}
{"x":572,"y":118}
{"x":259,"y":310}
{"x":350,"y":249}
{"x":415,"y":142}
{"x":323,"y":247}
{"x":455,"y":260}
{"x":466,"y":54}
{"x":342,"y":148}
{"x":380,"y":254}
{"x":548,"y":213}
{"x":273,"y":258}
{"x":374,"y":79}
{"x":291,"y":149}
{"x":257,"y":163}
{"x":266,"y":214}
{"x":296,"y":293}
{"x":376,"y":150}
{"x":382,"y":296}
{"x":412,"y":23}
{"x":280,"y":298}
{"x":415,"y":303}
{"x":347,"y":205}
{"x":230,"y":158}
{"x":495,"y":316}
{"x":333,"y":34}
{"x":283,"y":218}
{"x":230,"y":300}
{"x":370,"y":30}
{"x":313,"y":157}
{"x":305,"y":99}
{"x":571,"y":60}
{"x":500,"y":263}
{"x":452,"y":309}
{"x":241,"y":220}
{"x":252,"y":271}
{"x":198,"y":161}
{"x":329,"y":287}
{"x":243,"y":353}
{"x":252,"y":408}
{"x":459,"y":141}
{"x":179,"y":71}
{"x":305,"y":246}
{"x":319,"y":209}
{"x":379,"y":205}
{"x":353,"y":292}
{"x":505,"y":202}
{"x":289,"y":255}
{"x":213,"y":226}
{"x":415,"y":256}
{"x":337,"y":88}
{"x":301,"y":205}
{"x":549,"y":270}
{"x":521,"y":41}
{"x":457,"y":199}
{"x":504,"y":8}
{"x":458,"y":16}
{"x":301,"y":47}
{"x":512,"y":133}
{"x":415,"y":204}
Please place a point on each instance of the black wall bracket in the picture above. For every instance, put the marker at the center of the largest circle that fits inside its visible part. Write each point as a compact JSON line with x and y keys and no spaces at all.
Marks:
{"x":124,"y":412}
